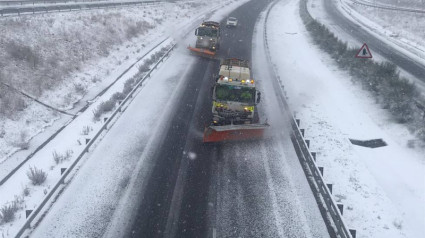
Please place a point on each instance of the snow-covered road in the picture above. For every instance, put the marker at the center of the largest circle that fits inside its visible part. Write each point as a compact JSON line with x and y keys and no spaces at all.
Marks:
{"x":272,"y":199}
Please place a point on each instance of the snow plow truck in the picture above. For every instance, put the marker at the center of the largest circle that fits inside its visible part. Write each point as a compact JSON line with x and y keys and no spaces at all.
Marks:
{"x":235,"y":115}
{"x":207,"y":39}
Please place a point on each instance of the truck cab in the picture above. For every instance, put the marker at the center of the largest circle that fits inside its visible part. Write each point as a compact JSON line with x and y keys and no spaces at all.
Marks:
{"x":208,"y":36}
{"x":234,"y":94}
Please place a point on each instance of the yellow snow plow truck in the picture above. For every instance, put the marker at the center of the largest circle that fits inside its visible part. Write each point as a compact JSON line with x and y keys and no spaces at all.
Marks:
{"x":207,"y":39}
{"x":234,"y":109}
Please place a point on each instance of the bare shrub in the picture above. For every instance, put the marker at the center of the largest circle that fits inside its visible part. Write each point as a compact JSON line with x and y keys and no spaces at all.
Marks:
{"x":68,"y":154}
{"x":80,"y":88}
{"x":37,"y":176}
{"x":26,"y":192}
{"x":86,"y":130}
{"x":23,"y":143}
{"x":143,"y":68}
{"x":128,"y":85}
{"x":57,"y":157}
{"x":118,"y":96}
{"x":95,"y":79}
{"x":7,"y":212}
{"x":137,"y":29}
{"x":104,"y":107}
{"x":22,"y":52}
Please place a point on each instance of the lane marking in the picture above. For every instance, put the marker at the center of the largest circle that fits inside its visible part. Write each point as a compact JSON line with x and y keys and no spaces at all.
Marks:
{"x":272,"y":193}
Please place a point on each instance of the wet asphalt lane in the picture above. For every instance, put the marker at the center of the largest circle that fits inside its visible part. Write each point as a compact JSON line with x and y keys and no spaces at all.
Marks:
{"x":211,"y":190}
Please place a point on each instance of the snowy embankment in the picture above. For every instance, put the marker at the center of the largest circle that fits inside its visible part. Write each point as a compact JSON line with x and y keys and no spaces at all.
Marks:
{"x":62,"y":150}
{"x":407,"y":43}
{"x":382,"y":189}
{"x":401,"y":30}
{"x":65,"y":59}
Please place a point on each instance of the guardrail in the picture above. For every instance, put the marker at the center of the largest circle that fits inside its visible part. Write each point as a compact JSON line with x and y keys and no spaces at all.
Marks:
{"x":327,"y":206}
{"x":321,"y":191}
{"x":387,"y":7}
{"x":34,"y":2}
{"x":109,"y":122}
{"x":13,"y":11}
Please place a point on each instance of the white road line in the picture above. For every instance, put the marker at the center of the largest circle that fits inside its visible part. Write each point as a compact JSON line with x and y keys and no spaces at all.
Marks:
{"x":270,"y":185}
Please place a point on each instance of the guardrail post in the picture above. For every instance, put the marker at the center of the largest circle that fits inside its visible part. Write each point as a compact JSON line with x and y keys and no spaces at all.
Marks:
{"x":329,"y":185}
{"x":352,"y":232}
{"x":321,"y":170}
{"x":27,"y":213}
{"x":105,"y":119}
{"x":341,"y":208}
{"x":302,"y":132}
{"x":63,"y":170}
{"x":298,"y":122}
{"x":308,"y":143}
{"x":87,"y":140}
{"x":314,"y":156}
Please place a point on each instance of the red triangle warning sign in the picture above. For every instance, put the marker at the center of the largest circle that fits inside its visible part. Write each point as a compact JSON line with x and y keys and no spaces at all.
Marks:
{"x":364,"y":52}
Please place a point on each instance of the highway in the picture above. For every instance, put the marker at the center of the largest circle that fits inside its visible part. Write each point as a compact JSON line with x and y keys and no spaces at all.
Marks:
{"x":375,"y":44}
{"x":164,"y":182}
{"x":239,"y":189}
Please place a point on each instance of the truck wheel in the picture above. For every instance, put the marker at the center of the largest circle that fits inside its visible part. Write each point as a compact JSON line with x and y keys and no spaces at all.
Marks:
{"x":256,"y":118}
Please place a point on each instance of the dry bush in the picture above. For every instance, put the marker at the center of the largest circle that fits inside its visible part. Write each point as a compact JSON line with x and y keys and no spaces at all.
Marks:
{"x":86,"y":130}
{"x":37,"y":176}
{"x":7,"y":212}
{"x":104,"y":107}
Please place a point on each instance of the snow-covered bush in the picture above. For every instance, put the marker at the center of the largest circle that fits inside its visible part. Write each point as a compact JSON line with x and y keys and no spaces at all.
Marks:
{"x":7,"y":212}
{"x":57,"y":157}
{"x":86,"y":130}
{"x":80,"y":88}
{"x":104,"y":107}
{"x":37,"y":176}
{"x":118,"y":96}
{"x":26,"y":192}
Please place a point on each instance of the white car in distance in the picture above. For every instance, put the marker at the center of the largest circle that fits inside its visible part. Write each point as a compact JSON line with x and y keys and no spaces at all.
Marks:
{"x":231,"y":22}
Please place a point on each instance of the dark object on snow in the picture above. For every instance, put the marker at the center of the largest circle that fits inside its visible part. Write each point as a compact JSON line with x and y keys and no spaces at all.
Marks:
{"x":369,"y":143}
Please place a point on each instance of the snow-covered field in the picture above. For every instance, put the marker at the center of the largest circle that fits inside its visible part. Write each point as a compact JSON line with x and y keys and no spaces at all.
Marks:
{"x":382,"y":189}
{"x":85,"y":49}
{"x":106,"y":68}
{"x":417,"y":4}
{"x":408,"y":44}
{"x":406,"y":27}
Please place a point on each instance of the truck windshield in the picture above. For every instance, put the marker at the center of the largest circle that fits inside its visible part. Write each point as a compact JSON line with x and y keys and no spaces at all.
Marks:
{"x":206,"y":31}
{"x":235,"y":93}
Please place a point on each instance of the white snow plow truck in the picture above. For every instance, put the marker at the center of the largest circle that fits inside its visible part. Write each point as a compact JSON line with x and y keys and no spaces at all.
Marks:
{"x":235,"y":115}
{"x":207,"y":39}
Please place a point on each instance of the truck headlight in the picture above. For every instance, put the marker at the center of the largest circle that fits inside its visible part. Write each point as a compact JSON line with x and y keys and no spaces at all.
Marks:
{"x":249,"y":108}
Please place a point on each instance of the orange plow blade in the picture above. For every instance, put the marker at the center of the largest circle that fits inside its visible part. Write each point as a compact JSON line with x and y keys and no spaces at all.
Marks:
{"x":234,"y":132}
{"x":202,"y":52}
